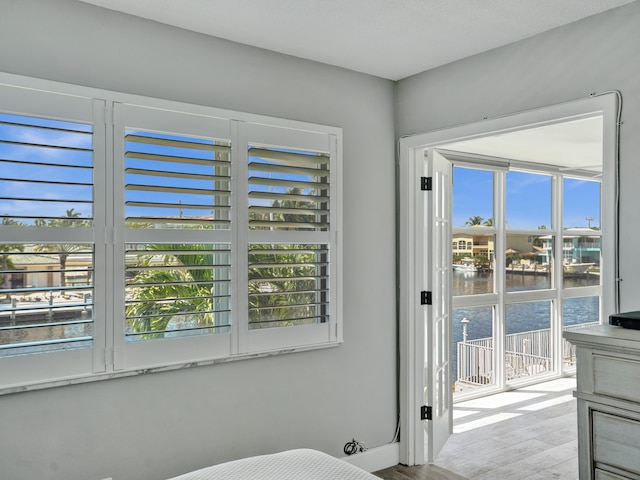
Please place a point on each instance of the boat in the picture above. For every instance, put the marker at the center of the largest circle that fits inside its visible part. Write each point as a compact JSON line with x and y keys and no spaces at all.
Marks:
{"x":466,"y":266}
{"x":576,"y":268}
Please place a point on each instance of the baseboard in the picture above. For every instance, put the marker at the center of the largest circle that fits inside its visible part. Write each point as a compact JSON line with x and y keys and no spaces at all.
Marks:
{"x":376,"y":458}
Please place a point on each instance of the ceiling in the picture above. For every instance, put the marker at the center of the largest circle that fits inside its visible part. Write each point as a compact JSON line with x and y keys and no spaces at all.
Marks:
{"x":392,"y":39}
{"x":570,"y":145}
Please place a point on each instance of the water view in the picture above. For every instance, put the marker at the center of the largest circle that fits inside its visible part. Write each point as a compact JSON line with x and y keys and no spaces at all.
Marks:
{"x":528,"y":346}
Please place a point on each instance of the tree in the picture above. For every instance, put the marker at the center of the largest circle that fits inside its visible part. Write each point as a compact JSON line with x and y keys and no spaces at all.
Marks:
{"x":537,"y":241}
{"x":165,"y":294}
{"x":488,"y":222}
{"x":291,"y":290}
{"x":474,"y":221}
{"x":283,"y":285}
{"x":64,"y":250}
{"x":5,"y":249}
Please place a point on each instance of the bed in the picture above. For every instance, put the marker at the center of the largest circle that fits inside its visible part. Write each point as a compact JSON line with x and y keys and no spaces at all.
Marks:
{"x":301,"y":464}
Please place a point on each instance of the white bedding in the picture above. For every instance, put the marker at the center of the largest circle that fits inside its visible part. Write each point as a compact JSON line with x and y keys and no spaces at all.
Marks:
{"x":303,"y":464}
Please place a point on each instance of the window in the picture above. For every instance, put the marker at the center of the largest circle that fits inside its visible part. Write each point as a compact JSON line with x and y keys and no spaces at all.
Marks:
{"x":220,"y":235}
{"x":47,"y":286}
{"x":531,"y":301}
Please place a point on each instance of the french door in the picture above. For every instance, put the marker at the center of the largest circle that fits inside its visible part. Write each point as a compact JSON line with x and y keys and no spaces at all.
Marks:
{"x":436,"y":264}
{"x":425,"y":258}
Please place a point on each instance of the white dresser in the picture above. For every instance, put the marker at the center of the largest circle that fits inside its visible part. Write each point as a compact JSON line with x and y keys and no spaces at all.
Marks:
{"x":608,"y":393}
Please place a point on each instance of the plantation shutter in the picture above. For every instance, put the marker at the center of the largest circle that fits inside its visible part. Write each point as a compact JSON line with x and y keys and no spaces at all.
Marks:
{"x":176,"y":259}
{"x":48,"y":322}
{"x":291,"y":252}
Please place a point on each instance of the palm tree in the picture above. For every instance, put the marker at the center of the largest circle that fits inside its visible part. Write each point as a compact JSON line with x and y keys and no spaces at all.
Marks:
{"x":283,"y":287}
{"x":173,"y":290}
{"x":5,"y":249}
{"x":282,"y":283}
{"x":296,"y":205}
{"x":488,"y":223}
{"x":474,"y":221}
{"x":537,"y":241}
{"x":64,"y":250}
{"x":289,"y":291}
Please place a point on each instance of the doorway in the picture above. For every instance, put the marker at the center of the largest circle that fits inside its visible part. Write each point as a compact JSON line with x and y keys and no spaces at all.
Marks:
{"x":509,"y":265}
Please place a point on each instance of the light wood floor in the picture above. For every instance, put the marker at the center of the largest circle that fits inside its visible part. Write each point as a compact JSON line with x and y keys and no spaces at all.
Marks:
{"x":525,"y":434}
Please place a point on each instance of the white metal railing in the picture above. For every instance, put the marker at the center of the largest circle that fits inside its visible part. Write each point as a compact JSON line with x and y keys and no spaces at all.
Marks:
{"x":475,"y":361}
{"x":569,"y":350}
{"x":526,"y":353}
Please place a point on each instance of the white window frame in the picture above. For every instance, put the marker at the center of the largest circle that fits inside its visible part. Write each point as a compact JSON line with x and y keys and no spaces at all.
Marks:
{"x":110,"y":113}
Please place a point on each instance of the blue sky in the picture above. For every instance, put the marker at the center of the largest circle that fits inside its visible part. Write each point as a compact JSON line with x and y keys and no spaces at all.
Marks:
{"x":528,"y":199}
{"x":35,"y":177}
{"x":528,"y":195}
{"x":31,"y":189}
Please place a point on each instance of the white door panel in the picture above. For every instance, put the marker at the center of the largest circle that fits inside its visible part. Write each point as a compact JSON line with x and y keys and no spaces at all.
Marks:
{"x":437,"y":276}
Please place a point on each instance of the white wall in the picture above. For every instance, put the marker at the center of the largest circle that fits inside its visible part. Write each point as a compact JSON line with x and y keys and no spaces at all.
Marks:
{"x":163,"y":424}
{"x":597,"y":54}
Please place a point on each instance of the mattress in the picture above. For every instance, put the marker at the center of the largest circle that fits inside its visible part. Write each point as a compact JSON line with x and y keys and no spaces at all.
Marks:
{"x":302,"y":464}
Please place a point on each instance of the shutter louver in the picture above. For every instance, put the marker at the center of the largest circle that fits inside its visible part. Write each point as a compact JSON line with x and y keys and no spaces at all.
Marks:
{"x":176,"y":182}
{"x":177,"y":290}
{"x":56,"y":312}
{"x":46,"y":170}
{"x":288,"y":285}
{"x":46,"y":182}
{"x":288,"y":190}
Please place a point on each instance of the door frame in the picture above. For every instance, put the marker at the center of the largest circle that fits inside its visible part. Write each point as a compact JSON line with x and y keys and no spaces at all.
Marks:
{"x":411,"y":160}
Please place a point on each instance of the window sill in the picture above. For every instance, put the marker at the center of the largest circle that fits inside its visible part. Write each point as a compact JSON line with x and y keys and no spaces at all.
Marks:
{"x":166,"y":368}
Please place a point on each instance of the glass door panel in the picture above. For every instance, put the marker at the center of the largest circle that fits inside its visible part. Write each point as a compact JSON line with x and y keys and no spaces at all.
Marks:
{"x":473,"y":271}
{"x":473,"y":348}
{"x":528,"y":203}
{"x":528,"y":341}
{"x":580,"y":258}
{"x":581,"y":203}
{"x":472,"y":197}
{"x":529,"y":262}
{"x":577,"y":313}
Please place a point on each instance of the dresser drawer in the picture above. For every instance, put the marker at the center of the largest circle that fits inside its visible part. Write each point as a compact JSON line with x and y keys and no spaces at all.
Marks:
{"x":602,"y":475}
{"x":616,"y":377}
{"x":616,"y":441}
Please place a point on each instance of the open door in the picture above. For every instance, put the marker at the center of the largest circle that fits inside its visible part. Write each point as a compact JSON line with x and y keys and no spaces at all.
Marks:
{"x":437,"y":311}
{"x":424,"y":251}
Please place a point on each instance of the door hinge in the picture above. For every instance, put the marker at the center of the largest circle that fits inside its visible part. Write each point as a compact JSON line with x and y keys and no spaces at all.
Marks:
{"x":426,"y":413}
{"x":425,"y":183}
{"x":425,"y":298}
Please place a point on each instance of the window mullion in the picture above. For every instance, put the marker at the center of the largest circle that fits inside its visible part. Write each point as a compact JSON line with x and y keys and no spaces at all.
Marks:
{"x":239,"y":239}
{"x":103,"y":256}
{"x":557,"y":208}
{"x":499,"y":269}
{"x":117,"y":238}
{"x":335,"y":252}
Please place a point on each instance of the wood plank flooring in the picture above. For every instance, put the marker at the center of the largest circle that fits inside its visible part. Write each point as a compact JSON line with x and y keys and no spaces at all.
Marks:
{"x":525,"y":434}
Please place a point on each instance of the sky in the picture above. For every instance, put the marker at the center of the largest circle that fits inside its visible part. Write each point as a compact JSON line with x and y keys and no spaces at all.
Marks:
{"x":32,"y":176}
{"x":528,"y":199}
{"x":39,"y":180}
{"x":528,"y":195}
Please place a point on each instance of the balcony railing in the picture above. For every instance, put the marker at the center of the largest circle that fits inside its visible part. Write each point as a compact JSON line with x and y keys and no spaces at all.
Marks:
{"x":526,"y":354}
